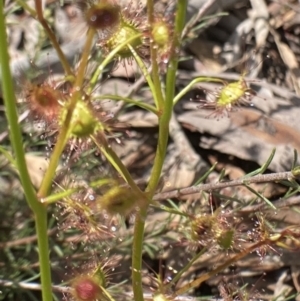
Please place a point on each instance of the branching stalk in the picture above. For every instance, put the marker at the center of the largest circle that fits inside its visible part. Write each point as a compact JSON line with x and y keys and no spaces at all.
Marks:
{"x":40,"y":212}
{"x":162,"y":143}
{"x":64,"y":133}
{"x":118,"y":165}
{"x":112,"y":54}
{"x":192,"y":84}
{"x":137,"y":103}
{"x":147,"y":76}
{"x":155,"y":68}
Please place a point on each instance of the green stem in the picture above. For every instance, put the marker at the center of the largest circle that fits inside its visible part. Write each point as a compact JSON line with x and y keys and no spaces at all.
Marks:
{"x":192,"y":83}
{"x":39,"y":210}
{"x":146,"y":74}
{"x":116,"y":162}
{"x":112,"y":54}
{"x":137,"y":103}
{"x":155,"y":68}
{"x":64,"y":132}
{"x":43,"y":247}
{"x":137,"y":252}
{"x":163,"y":137}
{"x":164,"y":121}
{"x":9,"y":158}
{"x":53,"y":198}
{"x":107,"y":294}
{"x":26,"y":7}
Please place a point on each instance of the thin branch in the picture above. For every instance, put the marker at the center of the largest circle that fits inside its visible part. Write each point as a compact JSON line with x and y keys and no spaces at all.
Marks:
{"x":201,"y":13}
{"x":25,"y":240}
{"x":33,"y":286}
{"x":272,"y":177}
{"x":281,"y":203}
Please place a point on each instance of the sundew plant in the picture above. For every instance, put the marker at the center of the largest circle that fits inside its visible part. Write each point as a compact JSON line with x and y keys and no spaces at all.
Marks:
{"x":109,"y":212}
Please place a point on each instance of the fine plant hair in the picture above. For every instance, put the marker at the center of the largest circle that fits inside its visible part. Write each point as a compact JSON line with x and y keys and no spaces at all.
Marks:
{"x":71,"y":116}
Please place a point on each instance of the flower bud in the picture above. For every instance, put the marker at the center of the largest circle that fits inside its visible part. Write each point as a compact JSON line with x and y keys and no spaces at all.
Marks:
{"x":114,"y":25}
{"x":125,"y":32}
{"x":103,"y":16}
{"x":160,"y":297}
{"x":83,"y":122}
{"x":118,"y":200}
{"x":87,"y":288}
{"x":44,"y":101}
{"x":226,"y":239}
{"x":161,"y":33}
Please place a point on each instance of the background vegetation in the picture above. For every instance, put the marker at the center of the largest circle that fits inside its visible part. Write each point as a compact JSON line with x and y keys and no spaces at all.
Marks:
{"x":149,"y":151}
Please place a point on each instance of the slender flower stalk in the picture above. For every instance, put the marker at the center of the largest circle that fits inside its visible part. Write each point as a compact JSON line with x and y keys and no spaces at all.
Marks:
{"x":65,"y":127}
{"x":163,"y":137}
{"x":39,"y":210}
